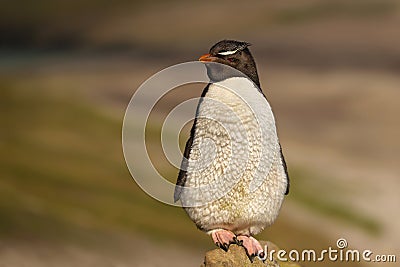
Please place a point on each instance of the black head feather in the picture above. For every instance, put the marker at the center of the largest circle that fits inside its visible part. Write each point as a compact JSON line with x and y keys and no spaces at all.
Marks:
{"x":237,"y":55}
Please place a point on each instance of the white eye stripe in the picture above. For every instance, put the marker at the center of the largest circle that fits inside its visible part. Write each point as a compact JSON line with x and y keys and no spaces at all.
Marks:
{"x":227,"y":53}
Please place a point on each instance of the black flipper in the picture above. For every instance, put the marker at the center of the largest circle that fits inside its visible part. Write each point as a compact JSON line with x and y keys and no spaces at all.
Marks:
{"x":282,"y":157}
{"x":286,"y":170}
{"x":180,"y":182}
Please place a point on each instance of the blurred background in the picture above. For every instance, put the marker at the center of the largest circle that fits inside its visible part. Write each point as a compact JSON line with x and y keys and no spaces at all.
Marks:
{"x":68,"y":69}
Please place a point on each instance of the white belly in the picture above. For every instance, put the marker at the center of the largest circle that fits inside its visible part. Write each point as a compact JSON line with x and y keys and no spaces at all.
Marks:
{"x":235,"y":178}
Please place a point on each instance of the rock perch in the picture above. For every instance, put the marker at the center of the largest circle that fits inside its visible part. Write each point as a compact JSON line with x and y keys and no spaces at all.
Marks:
{"x":236,"y":257}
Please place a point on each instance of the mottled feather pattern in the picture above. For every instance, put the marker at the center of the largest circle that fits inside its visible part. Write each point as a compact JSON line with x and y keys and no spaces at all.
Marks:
{"x":236,"y":149}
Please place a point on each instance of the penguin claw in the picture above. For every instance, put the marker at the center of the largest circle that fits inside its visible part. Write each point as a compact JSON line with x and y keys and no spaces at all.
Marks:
{"x":237,"y":241}
{"x":223,"y":238}
{"x":251,"y":257}
{"x":252,"y":246}
{"x":225,"y":247}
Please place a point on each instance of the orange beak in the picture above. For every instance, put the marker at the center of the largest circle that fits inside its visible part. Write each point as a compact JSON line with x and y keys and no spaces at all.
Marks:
{"x":207,"y":58}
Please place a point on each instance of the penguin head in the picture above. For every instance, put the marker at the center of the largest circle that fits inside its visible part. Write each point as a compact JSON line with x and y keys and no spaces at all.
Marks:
{"x":235,"y":54}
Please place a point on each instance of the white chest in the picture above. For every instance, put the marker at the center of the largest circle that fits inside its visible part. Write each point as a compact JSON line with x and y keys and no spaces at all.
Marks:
{"x":235,"y":141}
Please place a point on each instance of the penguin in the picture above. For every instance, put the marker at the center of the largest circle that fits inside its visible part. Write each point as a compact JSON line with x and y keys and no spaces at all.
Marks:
{"x":233,"y":155}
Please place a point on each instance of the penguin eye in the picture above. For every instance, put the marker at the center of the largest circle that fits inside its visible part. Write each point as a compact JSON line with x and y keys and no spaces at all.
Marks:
{"x":231,"y":59}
